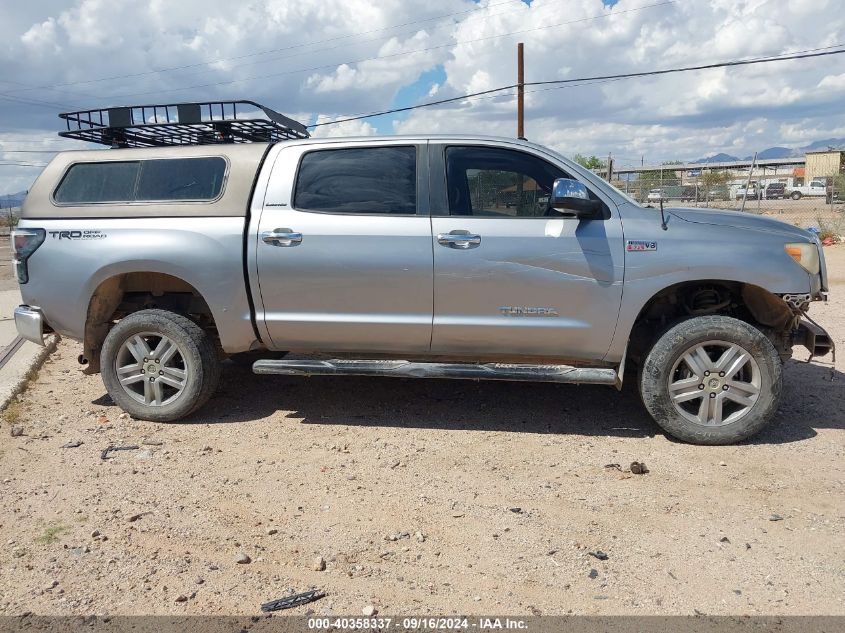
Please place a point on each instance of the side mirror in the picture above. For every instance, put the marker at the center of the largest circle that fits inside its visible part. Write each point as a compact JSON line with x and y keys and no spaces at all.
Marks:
{"x":572,"y":196}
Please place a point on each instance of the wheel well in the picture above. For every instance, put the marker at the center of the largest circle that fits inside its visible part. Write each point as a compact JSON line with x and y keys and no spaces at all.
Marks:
{"x":124,"y":294}
{"x":755,"y":305}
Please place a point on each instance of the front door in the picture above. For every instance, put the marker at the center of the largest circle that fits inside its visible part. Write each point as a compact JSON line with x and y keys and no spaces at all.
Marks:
{"x":344,"y":249}
{"x":511,"y":275}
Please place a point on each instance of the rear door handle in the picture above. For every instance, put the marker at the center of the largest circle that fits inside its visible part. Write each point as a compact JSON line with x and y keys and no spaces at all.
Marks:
{"x":459,"y":239}
{"x":282,"y":237}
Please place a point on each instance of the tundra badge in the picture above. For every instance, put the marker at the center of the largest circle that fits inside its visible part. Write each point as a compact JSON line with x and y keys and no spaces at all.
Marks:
{"x":530,"y":311}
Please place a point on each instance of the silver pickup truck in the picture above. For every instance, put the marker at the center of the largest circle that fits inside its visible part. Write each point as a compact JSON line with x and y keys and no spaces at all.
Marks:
{"x":419,"y":256}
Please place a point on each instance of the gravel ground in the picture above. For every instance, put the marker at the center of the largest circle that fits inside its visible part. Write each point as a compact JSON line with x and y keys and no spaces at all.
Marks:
{"x":420,"y":497}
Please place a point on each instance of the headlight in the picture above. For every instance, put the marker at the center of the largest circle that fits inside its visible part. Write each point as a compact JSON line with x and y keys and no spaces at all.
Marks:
{"x":806,"y":255}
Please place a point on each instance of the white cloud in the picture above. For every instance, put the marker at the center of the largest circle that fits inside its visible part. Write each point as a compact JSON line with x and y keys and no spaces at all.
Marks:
{"x":398,"y":61}
{"x":347,"y":128}
{"x":41,"y":37}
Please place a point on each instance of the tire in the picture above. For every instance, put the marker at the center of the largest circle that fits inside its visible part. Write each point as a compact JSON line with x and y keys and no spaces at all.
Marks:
{"x":795,"y":195}
{"x":193,"y":364}
{"x":733,"y":413}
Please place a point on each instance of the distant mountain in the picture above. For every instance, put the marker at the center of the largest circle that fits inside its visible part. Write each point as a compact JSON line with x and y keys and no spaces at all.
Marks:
{"x":835,"y":143}
{"x":12,"y":199}
{"x":775,"y":152}
{"x":781,"y":152}
{"x":717,"y":158}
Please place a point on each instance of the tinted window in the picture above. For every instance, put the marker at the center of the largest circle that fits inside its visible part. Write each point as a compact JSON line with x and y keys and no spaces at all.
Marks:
{"x":146,"y":180}
{"x":181,"y":179}
{"x":358,"y":180}
{"x":98,"y":182}
{"x":487,"y":181}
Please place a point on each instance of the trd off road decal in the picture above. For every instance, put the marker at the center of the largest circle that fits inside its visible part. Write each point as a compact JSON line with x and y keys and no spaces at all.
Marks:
{"x":77,"y":235}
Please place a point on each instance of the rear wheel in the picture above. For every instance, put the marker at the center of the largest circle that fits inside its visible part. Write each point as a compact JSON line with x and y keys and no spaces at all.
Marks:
{"x":796,"y":195}
{"x":158,"y":365}
{"x":712,"y":380}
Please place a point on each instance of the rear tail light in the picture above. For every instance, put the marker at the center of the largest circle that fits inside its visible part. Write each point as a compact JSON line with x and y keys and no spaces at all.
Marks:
{"x":24,"y":244}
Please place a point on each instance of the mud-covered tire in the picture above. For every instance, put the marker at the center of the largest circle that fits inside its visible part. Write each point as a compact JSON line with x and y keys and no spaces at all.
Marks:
{"x":200,"y":365}
{"x":659,"y":374}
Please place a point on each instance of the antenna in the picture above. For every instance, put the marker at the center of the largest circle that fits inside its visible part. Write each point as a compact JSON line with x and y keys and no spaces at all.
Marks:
{"x":662,"y":215}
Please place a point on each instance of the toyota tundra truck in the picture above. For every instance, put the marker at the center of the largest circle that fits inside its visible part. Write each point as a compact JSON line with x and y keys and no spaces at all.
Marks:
{"x":465,"y":257}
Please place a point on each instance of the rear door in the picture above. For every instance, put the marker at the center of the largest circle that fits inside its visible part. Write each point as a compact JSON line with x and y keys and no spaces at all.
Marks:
{"x":513,"y":277}
{"x":344,"y":254}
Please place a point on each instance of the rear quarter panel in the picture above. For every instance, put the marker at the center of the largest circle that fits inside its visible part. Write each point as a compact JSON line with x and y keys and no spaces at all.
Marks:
{"x":79,"y":254}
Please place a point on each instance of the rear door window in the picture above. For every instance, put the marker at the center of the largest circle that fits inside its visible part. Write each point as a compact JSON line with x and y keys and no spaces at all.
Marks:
{"x":365,"y":180}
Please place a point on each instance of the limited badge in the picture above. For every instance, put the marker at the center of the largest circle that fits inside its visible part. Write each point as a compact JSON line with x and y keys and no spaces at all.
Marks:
{"x":640,"y":245}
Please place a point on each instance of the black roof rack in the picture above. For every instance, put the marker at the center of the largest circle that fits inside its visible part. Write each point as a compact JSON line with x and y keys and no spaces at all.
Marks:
{"x":204,"y":123}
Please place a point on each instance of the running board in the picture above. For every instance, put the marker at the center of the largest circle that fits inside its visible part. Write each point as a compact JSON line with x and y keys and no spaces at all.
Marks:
{"x":466,"y":371}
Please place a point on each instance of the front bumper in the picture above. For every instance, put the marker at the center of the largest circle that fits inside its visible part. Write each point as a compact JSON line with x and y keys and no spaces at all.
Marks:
{"x":30,"y":324}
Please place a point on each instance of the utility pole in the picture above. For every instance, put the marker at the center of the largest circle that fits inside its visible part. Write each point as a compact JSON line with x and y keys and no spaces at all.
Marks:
{"x":748,"y":182}
{"x":520,"y":92}
{"x":520,"y":119}
{"x":609,"y":167}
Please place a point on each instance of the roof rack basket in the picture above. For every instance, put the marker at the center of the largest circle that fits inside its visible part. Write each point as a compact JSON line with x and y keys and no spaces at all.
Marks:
{"x":205,"y":123}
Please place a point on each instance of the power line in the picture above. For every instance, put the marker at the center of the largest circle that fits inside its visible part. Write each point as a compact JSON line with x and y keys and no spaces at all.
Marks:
{"x":38,"y":102}
{"x":3,"y":150}
{"x":564,"y":82}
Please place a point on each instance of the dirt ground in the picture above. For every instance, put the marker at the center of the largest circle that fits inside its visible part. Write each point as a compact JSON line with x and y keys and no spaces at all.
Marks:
{"x":420,"y":497}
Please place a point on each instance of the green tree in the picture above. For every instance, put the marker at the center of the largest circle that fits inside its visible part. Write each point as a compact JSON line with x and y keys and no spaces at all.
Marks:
{"x":653,"y":179}
{"x":591,"y":162}
{"x":713,"y":178}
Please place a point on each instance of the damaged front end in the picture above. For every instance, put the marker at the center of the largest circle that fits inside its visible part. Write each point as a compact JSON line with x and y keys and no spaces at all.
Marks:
{"x":790,"y":325}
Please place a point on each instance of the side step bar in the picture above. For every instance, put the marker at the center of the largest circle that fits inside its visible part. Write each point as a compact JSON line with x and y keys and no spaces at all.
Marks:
{"x":466,"y":371}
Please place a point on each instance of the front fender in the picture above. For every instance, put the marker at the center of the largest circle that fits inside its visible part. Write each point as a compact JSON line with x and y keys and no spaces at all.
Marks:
{"x":689,"y":251}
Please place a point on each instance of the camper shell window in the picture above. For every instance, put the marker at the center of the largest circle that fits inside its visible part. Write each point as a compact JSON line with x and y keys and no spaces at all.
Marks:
{"x":155,"y":180}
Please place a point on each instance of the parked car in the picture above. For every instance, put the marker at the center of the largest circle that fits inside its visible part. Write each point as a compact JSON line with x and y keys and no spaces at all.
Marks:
{"x":749,"y":192}
{"x":775,"y":191}
{"x":720,"y":192}
{"x":816,"y":189}
{"x":395,"y":256}
{"x":656,"y":195}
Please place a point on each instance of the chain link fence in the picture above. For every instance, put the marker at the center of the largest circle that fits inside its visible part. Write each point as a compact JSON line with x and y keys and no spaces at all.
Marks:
{"x":9,"y":217}
{"x":817,"y":203}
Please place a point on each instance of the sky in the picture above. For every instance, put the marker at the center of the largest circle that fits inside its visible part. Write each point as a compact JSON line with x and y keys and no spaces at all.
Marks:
{"x":320,"y":60}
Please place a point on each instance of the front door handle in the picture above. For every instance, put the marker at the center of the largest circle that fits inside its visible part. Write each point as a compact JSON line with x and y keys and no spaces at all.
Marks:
{"x":459,"y":239}
{"x":282,"y":237}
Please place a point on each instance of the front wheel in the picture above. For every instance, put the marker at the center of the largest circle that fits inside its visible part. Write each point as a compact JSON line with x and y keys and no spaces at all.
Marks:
{"x":158,"y":365}
{"x":712,"y":380}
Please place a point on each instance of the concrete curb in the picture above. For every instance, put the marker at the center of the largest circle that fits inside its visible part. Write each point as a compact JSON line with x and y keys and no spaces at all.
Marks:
{"x":15,"y":376}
